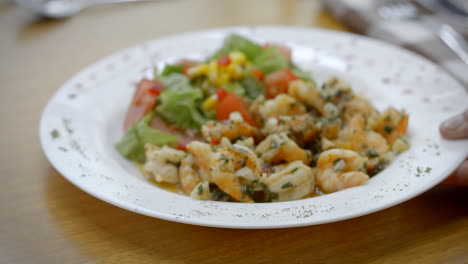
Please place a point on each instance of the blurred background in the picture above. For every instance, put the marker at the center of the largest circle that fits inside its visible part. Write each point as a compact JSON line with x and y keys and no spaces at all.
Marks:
{"x":45,"y":219}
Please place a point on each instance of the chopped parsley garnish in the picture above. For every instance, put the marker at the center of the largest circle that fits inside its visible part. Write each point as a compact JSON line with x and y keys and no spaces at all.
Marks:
{"x":287,"y":185}
{"x":336,"y":161}
{"x":224,"y":159}
{"x":200,"y":189}
{"x":372,"y":153}
{"x":388,"y":129}
{"x":243,"y":161}
{"x":294,"y":170}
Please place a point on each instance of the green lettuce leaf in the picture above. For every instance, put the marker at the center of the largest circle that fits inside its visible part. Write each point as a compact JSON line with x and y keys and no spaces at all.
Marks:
{"x":172,"y":68}
{"x":235,"y":87}
{"x":179,"y":106}
{"x":235,"y":42}
{"x":175,"y":81}
{"x":132,"y":144}
{"x":270,"y":60}
{"x":303,"y":75}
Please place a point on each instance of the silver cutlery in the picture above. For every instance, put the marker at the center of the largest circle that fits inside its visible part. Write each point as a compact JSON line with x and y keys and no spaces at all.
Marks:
{"x":401,"y":9}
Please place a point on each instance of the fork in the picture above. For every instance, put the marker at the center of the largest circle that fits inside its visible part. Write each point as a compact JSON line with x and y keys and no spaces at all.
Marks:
{"x":402,"y":9}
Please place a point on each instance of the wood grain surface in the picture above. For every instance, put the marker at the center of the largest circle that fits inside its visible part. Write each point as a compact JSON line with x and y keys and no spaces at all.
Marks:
{"x":45,"y":219}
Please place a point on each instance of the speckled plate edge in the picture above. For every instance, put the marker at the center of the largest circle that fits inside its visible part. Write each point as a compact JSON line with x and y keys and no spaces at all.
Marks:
{"x":79,"y":167}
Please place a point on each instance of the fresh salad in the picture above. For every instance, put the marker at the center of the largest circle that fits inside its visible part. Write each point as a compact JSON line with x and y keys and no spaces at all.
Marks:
{"x":248,"y":125}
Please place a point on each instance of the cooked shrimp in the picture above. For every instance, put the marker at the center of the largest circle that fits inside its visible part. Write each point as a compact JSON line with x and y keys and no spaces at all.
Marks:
{"x":277,"y":148}
{"x":201,"y":191}
{"x":232,"y":129}
{"x":359,"y":105}
{"x":355,"y":136}
{"x":302,"y":128}
{"x":189,"y":177}
{"x":330,"y":127}
{"x":162,"y":163}
{"x":338,"y":169}
{"x":307,"y":93}
{"x":202,"y":158}
{"x":224,"y":175}
{"x":281,"y":105}
{"x":246,"y":142}
{"x":335,"y":90}
{"x":225,"y":166}
{"x":292,"y":182}
{"x":392,"y":124}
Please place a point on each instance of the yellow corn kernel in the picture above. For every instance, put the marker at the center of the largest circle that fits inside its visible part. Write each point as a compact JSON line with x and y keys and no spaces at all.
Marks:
{"x":235,"y":71}
{"x":210,"y":103}
{"x":237,"y":58}
{"x":212,"y":71}
{"x":198,"y":70}
{"x":223,"y":78}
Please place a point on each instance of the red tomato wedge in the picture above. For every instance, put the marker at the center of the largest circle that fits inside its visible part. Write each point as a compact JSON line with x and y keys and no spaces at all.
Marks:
{"x":221,"y":93}
{"x":258,"y":74}
{"x":278,"y":82}
{"x":232,"y":103}
{"x":143,"y":101}
{"x":163,"y":126}
{"x":282,"y":49}
{"x":224,"y":60}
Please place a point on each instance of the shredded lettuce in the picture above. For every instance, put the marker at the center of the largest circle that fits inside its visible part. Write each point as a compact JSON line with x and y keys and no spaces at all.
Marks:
{"x":303,"y":75}
{"x":179,"y":106}
{"x":235,"y":87}
{"x":270,"y":60}
{"x":175,"y":81}
{"x":253,"y":88}
{"x":235,"y":42}
{"x":172,"y":68}
{"x":132,"y":145}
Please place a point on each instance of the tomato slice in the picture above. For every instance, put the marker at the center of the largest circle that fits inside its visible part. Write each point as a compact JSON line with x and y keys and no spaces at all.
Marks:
{"x":232,"y":103}
{"x":221,"y":93}
{"x":184,"y":138}
{"x":258,"y":74}
{"x":224,"y":60}
{"x":143,"y":101}
{"x":282,"y":49}
{"x":278,"y":82}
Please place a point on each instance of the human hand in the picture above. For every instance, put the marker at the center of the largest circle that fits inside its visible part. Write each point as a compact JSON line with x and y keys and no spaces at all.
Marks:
{"x":457,"y":128}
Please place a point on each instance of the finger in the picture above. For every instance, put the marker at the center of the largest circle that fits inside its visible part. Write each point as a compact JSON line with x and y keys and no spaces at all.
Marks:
{"x":459,"y":177}
{"x":455,"y":127}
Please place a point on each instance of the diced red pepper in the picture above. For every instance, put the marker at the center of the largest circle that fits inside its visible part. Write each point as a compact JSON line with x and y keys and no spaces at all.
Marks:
{"x":258,"y":74}
{"x":214,"y":142}
{"x":181,"y":146}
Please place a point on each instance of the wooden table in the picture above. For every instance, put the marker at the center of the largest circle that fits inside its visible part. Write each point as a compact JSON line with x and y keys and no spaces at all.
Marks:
{"x":45,"y":219}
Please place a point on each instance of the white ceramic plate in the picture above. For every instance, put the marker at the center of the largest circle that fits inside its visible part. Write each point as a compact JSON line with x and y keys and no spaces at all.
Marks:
{"x":84,"y":119}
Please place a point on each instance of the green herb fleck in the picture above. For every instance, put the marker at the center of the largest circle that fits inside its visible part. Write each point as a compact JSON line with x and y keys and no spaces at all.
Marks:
{"x":200,"y":189}
{"x":224,"y":159}
{"x":294,"y":170}
{"x":55,"y":134}
{"x":372,"y":153}
{"x":287,"y":185}
{"x":428,"y":170}
{"x":336,"y":161}
{"x":243,"y":161}
{"x":388,"y":129}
